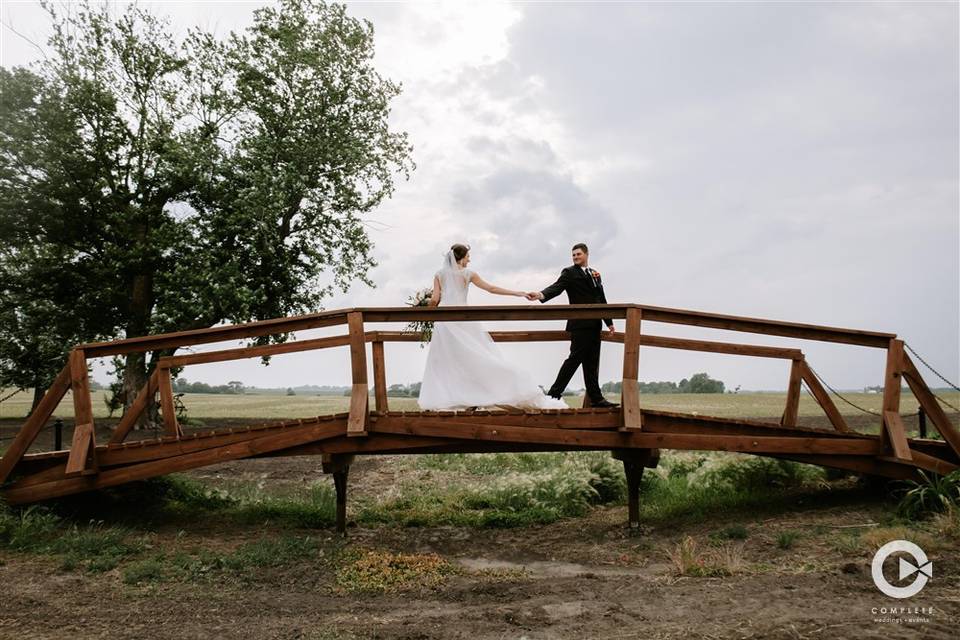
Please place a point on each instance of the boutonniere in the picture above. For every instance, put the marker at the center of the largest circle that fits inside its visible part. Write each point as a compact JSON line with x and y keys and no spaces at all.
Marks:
{"x":596,"y":273}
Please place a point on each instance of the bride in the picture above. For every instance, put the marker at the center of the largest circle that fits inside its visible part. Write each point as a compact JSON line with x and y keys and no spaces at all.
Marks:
{"x":464,"y":365}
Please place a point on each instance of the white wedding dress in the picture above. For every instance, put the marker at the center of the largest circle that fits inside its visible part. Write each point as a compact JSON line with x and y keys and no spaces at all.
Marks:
{"x":464,"y":365}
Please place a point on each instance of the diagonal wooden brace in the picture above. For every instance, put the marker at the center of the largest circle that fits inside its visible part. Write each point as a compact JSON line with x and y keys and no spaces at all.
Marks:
{"x":930,"y":405}
{"x":896,"y":435}
{"x":83,"y":452}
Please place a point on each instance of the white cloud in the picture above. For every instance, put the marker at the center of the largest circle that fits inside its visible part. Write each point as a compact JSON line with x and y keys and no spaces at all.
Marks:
{"x":791,"y":161}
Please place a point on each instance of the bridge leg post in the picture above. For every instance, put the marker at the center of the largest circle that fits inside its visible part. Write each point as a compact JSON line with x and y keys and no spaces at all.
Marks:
{"x":634,"y":473}
{"x":634,"y":462}
{"x":339,"y":467}
{"x":340,"y":483}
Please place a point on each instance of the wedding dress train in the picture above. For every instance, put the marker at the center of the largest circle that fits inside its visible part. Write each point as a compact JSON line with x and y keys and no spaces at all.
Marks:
{"x":465,"y":367}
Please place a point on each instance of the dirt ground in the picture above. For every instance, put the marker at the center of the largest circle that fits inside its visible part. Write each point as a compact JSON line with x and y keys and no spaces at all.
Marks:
{"x":583,"y":577}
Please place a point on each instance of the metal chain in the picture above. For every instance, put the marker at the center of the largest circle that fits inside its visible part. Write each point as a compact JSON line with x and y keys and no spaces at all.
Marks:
{"x":15,"y":392}
{"x":936,"y":373}
{"x":837,"y":393}
{"x":927,"y":364}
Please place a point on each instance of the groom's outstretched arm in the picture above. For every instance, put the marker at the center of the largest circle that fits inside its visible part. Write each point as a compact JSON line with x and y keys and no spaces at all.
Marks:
{"x":555,"y":289}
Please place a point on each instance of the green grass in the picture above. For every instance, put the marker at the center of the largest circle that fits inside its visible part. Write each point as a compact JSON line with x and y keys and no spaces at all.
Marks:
{"x":529,"y":489}
{"x":94,"y":546}
{"x":787,"y":539}
{"x":108,"y":531}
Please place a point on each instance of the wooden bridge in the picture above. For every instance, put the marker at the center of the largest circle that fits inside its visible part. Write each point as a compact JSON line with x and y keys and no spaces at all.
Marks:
{"x":632,"y":434}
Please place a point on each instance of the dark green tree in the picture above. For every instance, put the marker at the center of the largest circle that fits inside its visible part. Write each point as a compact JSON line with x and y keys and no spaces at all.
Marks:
{"x":173,"y":186}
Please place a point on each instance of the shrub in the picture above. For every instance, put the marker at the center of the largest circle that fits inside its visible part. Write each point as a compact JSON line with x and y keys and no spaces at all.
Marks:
{"x":933,"y":494}
{"x":756,"y":472}
{"x":786,"y":539}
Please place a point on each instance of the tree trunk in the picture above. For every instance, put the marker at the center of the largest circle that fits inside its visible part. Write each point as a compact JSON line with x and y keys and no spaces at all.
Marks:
{"x":135,"y":366}
{"x":38,"y":393}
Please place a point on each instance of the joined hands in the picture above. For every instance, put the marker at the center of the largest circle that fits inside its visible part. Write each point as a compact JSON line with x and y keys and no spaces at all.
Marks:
{"x":533,"y":295}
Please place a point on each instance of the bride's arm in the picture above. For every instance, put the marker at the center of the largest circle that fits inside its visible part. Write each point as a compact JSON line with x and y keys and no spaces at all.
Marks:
{"x":486,"y":286}
{"x":435,"y":296}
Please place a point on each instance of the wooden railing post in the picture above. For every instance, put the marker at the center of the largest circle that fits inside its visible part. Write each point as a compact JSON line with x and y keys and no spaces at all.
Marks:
{"x":379,"y":377}
{"x":789,"y":418}
{"x":82,"y":459}
{"x":630,"y":386}
{"x":892,"y":432}
{"x":167,"y":409}
{"x":359,"y":397}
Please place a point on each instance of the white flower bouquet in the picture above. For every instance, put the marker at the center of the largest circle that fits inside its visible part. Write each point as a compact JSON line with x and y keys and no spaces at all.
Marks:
{"x":421,"y":299}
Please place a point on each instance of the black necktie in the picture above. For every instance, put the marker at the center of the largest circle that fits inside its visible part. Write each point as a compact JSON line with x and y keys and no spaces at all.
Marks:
{"x":590,"y":273}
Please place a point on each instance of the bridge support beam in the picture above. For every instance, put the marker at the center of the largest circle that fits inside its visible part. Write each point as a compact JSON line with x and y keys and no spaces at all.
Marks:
{"x":338,"y":465}
{"x":634,"y":462}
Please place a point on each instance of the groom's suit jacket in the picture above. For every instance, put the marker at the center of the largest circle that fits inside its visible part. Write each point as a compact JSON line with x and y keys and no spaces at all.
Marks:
{"x":581,"y":289}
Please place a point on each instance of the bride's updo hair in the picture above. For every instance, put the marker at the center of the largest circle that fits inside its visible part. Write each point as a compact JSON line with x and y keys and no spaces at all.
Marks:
{"x":459,"y":250}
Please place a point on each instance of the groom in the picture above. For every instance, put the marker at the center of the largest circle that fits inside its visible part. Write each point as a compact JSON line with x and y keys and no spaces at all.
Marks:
{"x":583,"y":286}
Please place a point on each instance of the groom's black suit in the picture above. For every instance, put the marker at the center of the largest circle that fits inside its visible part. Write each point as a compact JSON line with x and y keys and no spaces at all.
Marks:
{"x":581,"y":288}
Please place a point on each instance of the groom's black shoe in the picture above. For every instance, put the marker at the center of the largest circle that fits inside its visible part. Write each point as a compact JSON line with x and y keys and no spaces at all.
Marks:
{"x":605,"y":404}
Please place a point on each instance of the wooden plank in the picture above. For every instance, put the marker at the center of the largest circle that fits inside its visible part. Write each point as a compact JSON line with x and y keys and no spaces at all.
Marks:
{"x":460,"y":313}
{"x":767,"y":327}
{"x":488,"y":313}
{"x":823,"y":398}
{"x":630,"y":388}
{"x":896,"y":435}
{"x":273,"y":441}
{"x":630,"y":401}
{"x":221,"y":333}
{"x":646,"y":340}
{"x":359,"y":398}
{"x":789,"y":418}
{"x":135,"y":410}
{"x":359,"y":410}
{"x":926,"y":462}
{"x":108,"y":457}
{"x":225,"y":355}
{"x":709,"y":346}
{"x":631,"y":345}
{"x":80,"y":388}
{"x":358,"y":348}
{"x":34,"y":423}
{"x":931,"y":405}
{"x":891,"y":385}
{"x":873,"y":466}
{"x":634,"y":439}
{"x":167,"y":409}
{"x":379,"y":377}
{"x":650,"y":313}
{"x":374,"y":443}
{"x":82,"y":459}
{"x":653,"y":423}
{"x":606,"y":419}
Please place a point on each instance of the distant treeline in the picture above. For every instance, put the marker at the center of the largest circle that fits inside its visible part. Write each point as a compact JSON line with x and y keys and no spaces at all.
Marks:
{"x":182,"y":385}
{"x":698,"y":383}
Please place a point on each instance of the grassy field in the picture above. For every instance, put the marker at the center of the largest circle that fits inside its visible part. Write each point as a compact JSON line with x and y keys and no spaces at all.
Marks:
{"x":745,"y":405}
{"x":483,"y":546}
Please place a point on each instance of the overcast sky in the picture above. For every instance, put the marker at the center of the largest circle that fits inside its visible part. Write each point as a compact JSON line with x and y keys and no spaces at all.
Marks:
{"x":787,"y":161}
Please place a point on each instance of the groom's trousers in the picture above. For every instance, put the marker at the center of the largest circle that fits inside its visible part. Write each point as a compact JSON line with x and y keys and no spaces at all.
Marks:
{"x":584,"y":351}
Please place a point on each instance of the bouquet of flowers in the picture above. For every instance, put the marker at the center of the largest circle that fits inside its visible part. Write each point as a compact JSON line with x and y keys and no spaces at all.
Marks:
{"x":421,"y":299}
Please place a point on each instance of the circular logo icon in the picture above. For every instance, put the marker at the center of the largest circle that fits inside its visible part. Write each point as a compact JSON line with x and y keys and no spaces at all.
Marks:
{"x":920,"y":566}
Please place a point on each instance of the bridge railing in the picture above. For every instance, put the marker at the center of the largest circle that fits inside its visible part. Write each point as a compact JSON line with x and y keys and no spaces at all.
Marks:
{"x":82,"y":459}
